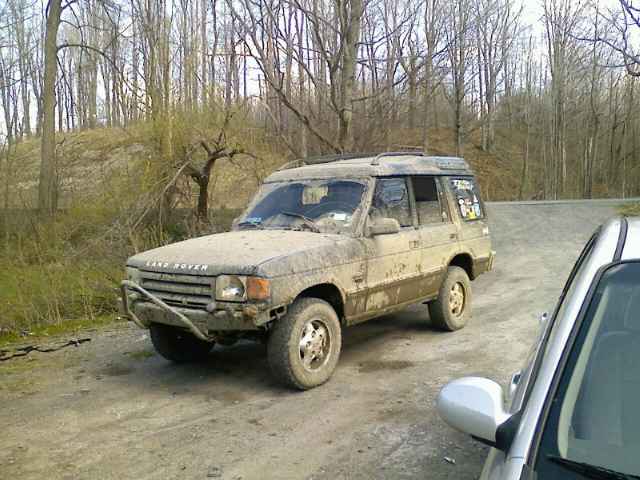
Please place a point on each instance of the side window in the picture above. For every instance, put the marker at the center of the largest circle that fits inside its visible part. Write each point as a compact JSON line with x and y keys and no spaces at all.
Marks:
{"x":391,"y":200}
{"x":428,"y":201}
{"x":467,"y":196}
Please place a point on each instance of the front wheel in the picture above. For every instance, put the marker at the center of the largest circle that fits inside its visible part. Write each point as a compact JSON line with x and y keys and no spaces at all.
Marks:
{"x":304,"y":345}
{"x":178,"y":345}
{"x":451,"y":310}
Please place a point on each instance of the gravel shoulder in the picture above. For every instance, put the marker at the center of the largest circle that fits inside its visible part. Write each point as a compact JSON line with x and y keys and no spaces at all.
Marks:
{"x":113,"y":409}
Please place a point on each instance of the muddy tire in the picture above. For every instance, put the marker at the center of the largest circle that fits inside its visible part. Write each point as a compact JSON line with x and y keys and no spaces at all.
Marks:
{"x":451,"y":310}
{"x":178,"y":345}
{"x":304,"y":345}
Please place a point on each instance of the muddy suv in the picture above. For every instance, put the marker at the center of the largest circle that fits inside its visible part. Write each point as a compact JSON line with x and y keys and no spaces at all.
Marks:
{"x":325,"y":243}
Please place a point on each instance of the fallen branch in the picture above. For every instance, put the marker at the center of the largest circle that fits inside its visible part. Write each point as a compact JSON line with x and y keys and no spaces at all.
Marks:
{"x":23,"y":351}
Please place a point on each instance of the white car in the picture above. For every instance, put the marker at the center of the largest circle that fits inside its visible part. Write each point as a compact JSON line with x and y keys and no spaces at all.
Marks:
{"x":574,"y":411}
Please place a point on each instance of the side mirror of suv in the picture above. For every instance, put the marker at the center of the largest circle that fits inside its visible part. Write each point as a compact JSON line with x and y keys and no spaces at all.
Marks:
{"x":382,"y":226}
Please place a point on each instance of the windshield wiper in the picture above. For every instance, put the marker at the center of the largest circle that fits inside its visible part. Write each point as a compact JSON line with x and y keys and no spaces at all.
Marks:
{"x":307,"y":221}
{"x":592,"y":471}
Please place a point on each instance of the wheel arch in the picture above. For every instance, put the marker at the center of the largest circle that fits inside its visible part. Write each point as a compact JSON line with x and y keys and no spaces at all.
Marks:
{"x":330,"y":293}
{"x":463,"y":260}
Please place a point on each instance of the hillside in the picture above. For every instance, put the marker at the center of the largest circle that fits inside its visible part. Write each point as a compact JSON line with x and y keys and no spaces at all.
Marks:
{"x":96,"y":162}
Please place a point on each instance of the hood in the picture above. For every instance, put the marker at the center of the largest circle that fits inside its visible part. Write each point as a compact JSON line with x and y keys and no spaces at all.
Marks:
{"x":251,"y":252}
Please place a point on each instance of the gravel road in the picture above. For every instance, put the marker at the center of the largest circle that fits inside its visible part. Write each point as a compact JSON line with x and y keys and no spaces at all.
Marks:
{"x":112,"y":409}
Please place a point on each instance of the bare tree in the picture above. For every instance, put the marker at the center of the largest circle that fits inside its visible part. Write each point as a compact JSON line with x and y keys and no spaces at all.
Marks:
{"x":623,"y":24}
{"x":497,"y":25}
{"x":47,"y":190}
{"x":562,"y":19}
{"x":458,"y":35}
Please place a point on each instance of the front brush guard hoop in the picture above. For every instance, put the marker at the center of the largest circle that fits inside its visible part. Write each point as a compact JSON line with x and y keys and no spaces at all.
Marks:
{"x":128,"y":284}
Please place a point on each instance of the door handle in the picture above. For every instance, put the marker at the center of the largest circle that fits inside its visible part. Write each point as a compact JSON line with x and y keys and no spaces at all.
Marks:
{"x":453,"y":236}
{"x":414,"y":244}
{"x":358,"y":277}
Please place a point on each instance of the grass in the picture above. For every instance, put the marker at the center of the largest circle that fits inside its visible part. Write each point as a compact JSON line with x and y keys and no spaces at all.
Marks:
{"x":60,"y":278}
{"x":630,"y":209}
{"x":66,"y":328}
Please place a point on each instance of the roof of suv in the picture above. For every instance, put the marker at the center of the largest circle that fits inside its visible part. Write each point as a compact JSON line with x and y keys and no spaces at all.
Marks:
{"x":370,"y":165}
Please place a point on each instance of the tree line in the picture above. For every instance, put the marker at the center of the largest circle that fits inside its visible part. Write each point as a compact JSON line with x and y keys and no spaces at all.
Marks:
{"x":553,"y":94}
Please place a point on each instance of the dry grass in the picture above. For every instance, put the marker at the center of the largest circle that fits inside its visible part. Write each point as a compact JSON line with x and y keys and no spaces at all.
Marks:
{"x":630,"y":209}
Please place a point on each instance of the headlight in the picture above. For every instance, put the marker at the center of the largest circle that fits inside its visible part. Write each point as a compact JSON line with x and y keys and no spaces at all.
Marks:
{"x":235,"y":288}
{"x":230,"y":288}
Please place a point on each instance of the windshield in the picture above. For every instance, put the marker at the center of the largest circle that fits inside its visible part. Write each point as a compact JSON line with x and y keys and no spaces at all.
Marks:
{"x":327,"y":206}
{"x":594,"y":419}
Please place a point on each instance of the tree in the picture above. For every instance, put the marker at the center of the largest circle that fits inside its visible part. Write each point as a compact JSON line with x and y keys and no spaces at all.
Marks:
{"x":335,"y":32}
{"x":624,"y":24}
{"x":561,"y":22}
{"x":457,"y":33}
{"x":48,"y":184}
{"x":497,"y":25}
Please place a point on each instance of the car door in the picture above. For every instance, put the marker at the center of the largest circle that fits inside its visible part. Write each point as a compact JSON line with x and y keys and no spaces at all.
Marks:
{"x":393,"y":263}
{"x":438,"y":233}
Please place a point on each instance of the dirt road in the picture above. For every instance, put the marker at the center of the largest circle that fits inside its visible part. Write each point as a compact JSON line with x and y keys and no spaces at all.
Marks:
{"x":112,"y":409}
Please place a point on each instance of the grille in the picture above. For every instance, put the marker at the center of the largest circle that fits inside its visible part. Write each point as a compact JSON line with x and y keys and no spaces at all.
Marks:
{"x":188,"y":291}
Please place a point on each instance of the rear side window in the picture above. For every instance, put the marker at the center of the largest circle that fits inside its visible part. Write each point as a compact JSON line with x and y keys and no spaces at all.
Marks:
{"x":391,"y":200}
{"x":428,"y":201}
{"x":467,"y":198}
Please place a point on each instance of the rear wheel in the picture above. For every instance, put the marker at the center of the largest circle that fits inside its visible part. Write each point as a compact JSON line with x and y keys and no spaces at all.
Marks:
{"x":451,"y":310}
{"x":304,"y":345}
{"x":178,"y":345}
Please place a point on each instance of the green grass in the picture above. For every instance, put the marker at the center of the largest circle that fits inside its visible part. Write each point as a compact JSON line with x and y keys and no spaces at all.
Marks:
{"x":630,"y":209}
{"x":43,"y":295}
{"x":65,"y":328}
{"x":64,"y":276}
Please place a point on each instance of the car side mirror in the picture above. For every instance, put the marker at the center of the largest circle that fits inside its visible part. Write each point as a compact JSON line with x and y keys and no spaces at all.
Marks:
{"x":474,"y":406}
{"x":382,"y":226}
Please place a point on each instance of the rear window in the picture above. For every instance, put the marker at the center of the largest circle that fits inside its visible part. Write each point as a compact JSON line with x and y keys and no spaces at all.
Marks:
{"x":467,"y":198}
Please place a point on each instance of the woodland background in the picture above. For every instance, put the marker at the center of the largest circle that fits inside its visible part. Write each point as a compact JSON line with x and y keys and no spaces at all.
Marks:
{"x":128,"y":124}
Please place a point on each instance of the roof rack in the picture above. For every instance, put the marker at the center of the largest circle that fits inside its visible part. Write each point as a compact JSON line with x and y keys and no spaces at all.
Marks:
{"x":376,"y":160}
{"x":300,"y":162}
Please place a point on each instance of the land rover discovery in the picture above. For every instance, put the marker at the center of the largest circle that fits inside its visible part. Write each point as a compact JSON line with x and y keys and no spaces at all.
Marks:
{"x":325,"y":243}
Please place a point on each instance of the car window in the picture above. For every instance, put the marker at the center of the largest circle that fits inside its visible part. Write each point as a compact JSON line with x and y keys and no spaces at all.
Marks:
{"x":467,"y":197}
{"x":428,"y":201}
{"x":391,"y":200}
{"x":594,"y":420}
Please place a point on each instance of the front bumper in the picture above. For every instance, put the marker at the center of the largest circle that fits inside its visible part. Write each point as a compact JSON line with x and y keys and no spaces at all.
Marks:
{"x":144,"y":308}
{"x":492,"y":257}
{"x":484,"y":264}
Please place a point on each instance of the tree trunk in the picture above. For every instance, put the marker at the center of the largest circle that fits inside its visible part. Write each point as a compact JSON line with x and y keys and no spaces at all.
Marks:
{"x":47,"y":188}
{"x":203,"y":197}
{"x":352,"y":19}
